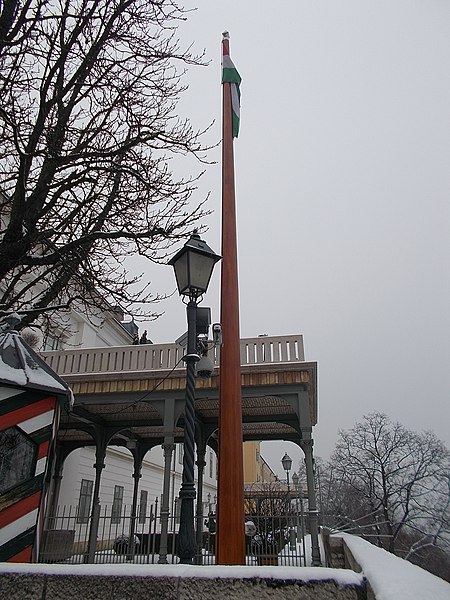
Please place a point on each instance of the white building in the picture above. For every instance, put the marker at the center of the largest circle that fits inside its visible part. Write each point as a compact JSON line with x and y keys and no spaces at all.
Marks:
{"x":117,"y":482}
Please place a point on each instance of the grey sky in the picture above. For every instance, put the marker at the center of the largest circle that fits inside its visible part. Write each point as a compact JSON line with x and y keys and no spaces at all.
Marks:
{"x":342,"y":182}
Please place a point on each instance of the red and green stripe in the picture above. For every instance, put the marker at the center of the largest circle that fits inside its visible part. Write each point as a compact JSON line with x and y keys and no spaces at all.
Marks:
{"x":230,"y":75}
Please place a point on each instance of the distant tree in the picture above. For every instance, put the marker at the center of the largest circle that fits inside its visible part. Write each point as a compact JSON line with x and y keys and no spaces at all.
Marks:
{"x":89,"y":122}
{"x":345,"y":509}
{"x":391,"y":485}
{"x":272,"y":510}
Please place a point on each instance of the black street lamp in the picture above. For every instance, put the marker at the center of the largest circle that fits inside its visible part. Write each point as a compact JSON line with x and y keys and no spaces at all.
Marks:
{"x":301,"y":528}
{"x":193,"y":266}
{"x":286,"y":461}
{"x":296,"y":482}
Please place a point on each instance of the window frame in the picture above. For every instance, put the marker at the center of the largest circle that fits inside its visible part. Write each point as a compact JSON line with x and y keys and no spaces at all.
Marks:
{"x":142,"y":515}
{"x":116,"y":508}
{"x":19,"y":461}
{"x":84,"y":501}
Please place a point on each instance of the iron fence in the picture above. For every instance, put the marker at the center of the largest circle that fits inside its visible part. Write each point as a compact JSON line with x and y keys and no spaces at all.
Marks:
{"x":66,"y":535}
{"x":271,"y":540}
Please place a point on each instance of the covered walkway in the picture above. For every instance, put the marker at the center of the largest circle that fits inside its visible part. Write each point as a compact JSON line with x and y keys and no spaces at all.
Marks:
{"x":133,"y":396}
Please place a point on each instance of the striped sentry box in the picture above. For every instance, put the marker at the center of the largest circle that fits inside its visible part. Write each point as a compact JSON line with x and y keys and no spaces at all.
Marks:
{"x":31,"y":400}
{"x":26,"y":429}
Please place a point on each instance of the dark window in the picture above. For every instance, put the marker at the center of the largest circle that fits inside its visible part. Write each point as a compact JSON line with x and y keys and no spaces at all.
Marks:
{"x":51,"y":342}
{"x":17,"y":458}
{"x":116,"y":511}
{"x":143,"y":507}
{"x":84,"y":503}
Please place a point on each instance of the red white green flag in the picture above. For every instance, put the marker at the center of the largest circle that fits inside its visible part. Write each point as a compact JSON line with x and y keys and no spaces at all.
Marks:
{"x":231,"y":75}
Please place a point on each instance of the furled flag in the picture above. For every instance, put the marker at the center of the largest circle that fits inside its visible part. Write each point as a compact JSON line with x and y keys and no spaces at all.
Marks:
{"x":231,"y":75}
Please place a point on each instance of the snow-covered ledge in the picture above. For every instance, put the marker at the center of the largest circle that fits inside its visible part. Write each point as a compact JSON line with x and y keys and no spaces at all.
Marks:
{"x":383,"y":576}
{"x":177,"y":582}
{"x":390,"y":577}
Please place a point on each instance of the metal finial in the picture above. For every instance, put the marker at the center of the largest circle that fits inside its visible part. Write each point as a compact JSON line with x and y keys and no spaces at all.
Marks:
{"x":10,"y":322}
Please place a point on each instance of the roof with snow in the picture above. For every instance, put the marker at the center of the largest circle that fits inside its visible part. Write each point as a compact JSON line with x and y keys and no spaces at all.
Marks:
{"x":21,"y":367}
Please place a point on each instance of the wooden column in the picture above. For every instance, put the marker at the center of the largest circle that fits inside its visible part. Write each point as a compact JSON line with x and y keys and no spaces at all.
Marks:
{"x":230,"y":517}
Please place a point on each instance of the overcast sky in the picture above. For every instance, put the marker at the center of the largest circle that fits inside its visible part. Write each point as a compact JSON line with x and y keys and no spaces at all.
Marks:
{"x":342,"y":184}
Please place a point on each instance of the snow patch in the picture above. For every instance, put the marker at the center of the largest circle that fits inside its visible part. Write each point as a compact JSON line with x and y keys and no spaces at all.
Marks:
{"x":393,"y":578}
{"x":342,"y":577}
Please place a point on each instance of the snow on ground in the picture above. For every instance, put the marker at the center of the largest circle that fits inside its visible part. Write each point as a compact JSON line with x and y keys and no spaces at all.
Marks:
{"x":283,"y":571}
{"x":340,"y":576}
{"x":393,"y":578}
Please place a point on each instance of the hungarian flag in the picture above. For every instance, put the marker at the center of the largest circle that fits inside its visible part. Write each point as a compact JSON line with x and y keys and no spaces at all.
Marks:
{"x":231,"y":75}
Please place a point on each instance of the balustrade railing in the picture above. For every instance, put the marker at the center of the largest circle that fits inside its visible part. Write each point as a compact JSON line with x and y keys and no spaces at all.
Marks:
{"x":153,"y":357}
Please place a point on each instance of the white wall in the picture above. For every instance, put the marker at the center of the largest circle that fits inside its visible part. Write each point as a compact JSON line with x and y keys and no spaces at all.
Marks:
{"x":96,"y":333}
{"x":119,"y":471}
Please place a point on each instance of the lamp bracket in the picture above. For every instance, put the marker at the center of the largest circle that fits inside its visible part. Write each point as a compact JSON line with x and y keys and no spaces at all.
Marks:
{"x":191,"y":358}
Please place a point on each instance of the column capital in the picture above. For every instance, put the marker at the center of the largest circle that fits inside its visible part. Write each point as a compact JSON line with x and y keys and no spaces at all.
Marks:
{"x":168,"y":447}
{"x":308,"y":443}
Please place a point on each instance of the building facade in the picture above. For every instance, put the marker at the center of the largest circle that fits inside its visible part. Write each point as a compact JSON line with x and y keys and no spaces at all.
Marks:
{"x":256,"y":469}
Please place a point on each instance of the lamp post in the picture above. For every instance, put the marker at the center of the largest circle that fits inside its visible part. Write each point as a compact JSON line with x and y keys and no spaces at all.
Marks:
{"x":301,"y":529}
{"x":286,"y":461}
{"x":193,"y":266}
{"x":295,"y":481}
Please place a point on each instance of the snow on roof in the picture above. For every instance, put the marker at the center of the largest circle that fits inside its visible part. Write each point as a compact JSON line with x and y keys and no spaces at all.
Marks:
{"x":393,"y":578}
{"x":20,"y":366}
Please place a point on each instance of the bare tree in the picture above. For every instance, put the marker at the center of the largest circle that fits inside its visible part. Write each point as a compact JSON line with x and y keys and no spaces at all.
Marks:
{"x":18,"y":20}
{"x":88,"y":126}
{"x":272,"y":508}
{"x":392,"y":483}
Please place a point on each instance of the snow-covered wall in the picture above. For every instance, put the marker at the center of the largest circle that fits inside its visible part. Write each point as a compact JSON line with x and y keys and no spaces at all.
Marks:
{"x":176,"y":582}
{"x":393,"y":578}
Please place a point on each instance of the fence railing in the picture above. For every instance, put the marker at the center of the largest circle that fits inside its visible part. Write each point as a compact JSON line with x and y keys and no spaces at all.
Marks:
{"x":274,"y":539}
{"x":153,"y":357}
{"x":66,"y":535}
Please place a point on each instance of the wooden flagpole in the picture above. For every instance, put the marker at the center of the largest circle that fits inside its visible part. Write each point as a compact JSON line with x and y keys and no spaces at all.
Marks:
{"x":230,"y":544}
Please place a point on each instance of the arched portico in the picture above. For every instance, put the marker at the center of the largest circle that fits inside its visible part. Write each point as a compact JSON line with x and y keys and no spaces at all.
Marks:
{"x":279,"y":402}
